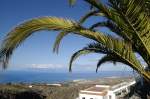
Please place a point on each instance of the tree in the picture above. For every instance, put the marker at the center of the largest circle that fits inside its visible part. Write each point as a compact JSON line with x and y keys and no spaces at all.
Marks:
{"x":128,"y":19}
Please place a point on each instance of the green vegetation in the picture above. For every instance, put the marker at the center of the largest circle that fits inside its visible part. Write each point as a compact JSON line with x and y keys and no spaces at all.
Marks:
{"x":129,"y":20}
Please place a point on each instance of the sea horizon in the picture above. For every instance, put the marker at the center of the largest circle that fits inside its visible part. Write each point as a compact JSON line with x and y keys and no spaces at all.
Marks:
{"x":27,"y":76}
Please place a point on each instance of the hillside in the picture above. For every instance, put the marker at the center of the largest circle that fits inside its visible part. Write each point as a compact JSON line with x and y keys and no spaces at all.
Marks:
{"x":68,"y":90}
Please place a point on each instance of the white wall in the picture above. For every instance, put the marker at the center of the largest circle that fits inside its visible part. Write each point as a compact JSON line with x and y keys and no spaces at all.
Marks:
{"x":90,"y":96}
{"x":111,"y":93}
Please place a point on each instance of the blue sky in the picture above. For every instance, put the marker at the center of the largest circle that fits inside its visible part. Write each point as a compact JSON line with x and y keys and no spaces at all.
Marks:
{"x":36,"y":51}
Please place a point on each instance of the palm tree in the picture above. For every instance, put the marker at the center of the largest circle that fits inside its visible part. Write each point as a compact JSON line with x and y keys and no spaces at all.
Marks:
{"x":128,"y":19}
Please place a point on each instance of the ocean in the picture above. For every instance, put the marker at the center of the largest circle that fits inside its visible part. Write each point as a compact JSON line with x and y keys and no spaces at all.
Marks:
{"x":48,"y":77}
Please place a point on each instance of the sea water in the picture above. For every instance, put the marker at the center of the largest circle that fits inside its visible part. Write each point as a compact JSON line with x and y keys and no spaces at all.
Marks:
{"x":20,"y":76}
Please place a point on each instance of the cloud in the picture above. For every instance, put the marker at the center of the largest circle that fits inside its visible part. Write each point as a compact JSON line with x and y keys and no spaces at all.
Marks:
{"x":75,"y":67}
{"x":45,"y":66}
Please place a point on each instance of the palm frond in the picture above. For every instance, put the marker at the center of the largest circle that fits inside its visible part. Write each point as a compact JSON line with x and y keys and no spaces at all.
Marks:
{"x":90,"y":14}
{"x":58,"y":40}
{"x":122,"y":50}
{"x":114,"y":18}
{"x":137,"y":21}
{"x":131,"y":18}
{"x":147,"y":7}
{"x":115,"y":53}
{"x":91,"y":48}
{"x":72,"y":2}
{"x":23,"y":31}
{"x":113,"y":27}
{"x":114,"y":47}
{"x":79,"y":53}
{"x":98,"y":24}
{"x":111,"y":58}
{"x":104,"y":59}
{"x":97,"y":4}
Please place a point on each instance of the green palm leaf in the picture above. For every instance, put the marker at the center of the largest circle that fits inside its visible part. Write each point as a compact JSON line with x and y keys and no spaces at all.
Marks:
{"x":137,"y":21}
{"x":23,"y":31}
{"x":104,"y":59}
{"x":114,"y":54}
{"x":58,"y":40}
{"x":91,"y":48}
{"x":113,"y":27}
{"x":112,"y":58}
{"x":90,"y":14}
{"x":113,"y":49}
{"x":79,"y":53}
{"x":72,"y":2}
{"x":97,"y":4}
{"x":131,"y":17}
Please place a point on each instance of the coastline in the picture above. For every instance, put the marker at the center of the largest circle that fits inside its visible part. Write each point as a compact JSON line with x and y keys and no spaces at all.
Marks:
{"x":66,"y":90}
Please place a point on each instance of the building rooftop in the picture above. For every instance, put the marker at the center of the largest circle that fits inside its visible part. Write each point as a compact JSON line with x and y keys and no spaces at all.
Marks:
{"x":96,"y":90}
{"x":99,"y":94}
{"x":103,"y":89}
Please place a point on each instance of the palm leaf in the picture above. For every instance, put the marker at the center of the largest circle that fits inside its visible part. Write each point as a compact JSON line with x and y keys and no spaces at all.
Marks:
{"x":114,"y":47}
{"x":135,"y":18}
{"x":147,"y":7}
{"x":72,"y":2}
{"x":114,"y":53}
{"x":111,"y":58}
{"x":79,"y":53}
{"x":91,"y":48}
{"x":131,"y":18}
{"x":23,"y":31}
{"x":97,"y":4}
{"x":58,"y":40}
{"x":90,"y":14}
{"x":104,"y":59}
{"x":113,"y":27}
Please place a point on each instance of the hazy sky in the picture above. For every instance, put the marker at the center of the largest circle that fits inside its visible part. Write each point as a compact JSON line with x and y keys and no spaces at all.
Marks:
{"x":36,"y":51}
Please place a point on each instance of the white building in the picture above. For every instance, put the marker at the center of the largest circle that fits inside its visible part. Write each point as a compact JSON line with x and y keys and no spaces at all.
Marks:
{"x":106,"y":91}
